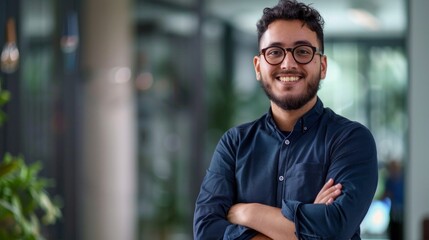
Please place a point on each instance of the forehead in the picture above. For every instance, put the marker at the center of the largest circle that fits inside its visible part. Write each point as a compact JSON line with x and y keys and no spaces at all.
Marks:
{"x":288,"y":33}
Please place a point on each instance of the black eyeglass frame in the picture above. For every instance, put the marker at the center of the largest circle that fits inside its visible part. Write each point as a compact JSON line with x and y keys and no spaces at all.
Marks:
{"x":291,"y":50}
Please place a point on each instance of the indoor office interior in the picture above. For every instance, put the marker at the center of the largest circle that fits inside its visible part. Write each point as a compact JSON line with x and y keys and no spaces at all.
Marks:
{"x":122,"y":102}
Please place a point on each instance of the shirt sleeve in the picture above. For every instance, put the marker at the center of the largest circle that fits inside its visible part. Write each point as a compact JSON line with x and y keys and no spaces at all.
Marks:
{"x":217,"y":195}
{"x":354,"y":165}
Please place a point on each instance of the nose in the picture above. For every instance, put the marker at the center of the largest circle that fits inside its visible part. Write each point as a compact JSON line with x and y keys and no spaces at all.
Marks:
{"x":288,"y":61}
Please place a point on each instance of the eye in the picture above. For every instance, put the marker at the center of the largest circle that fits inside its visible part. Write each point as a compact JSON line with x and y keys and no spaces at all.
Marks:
{"x":303,"y":51}
{"x":274,"y":52}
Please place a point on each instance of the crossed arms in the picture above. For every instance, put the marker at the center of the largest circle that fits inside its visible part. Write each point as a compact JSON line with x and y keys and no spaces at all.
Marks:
{"x":269,"y":222}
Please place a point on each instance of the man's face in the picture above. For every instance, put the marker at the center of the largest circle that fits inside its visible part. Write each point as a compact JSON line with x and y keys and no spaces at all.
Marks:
{"x":290,"y":85}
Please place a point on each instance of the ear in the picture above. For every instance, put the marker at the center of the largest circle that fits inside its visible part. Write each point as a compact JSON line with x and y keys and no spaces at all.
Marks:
{"x":323,"y":66}
{"x":256,"y":65}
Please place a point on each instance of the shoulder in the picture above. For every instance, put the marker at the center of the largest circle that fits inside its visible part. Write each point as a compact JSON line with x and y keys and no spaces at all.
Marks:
{"x":248,"y":128}
{"x":334,"y":120}
{"x":238,"y":137}
{"x":345,"y":132}
{"x":341,"y":128}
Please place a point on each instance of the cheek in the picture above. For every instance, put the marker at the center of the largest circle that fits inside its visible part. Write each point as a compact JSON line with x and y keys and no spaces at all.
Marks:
{"x":264,"y":71}
{"x":318,"y":69}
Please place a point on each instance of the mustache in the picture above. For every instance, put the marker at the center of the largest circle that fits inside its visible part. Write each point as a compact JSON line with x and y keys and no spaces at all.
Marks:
{"x":295,"y":72}
{"x":288,"y":72}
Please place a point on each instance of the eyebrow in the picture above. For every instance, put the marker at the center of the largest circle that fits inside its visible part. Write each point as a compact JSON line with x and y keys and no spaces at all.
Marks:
{"x":299,"y":42}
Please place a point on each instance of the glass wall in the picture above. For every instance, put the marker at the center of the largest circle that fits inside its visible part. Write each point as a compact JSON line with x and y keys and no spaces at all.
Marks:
{"x":165,"y":120}
{"x":367,"y":82}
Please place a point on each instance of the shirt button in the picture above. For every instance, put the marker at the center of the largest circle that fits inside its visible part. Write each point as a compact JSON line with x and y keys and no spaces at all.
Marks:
{"x":281,"y":178}
{"x":287,"y":142}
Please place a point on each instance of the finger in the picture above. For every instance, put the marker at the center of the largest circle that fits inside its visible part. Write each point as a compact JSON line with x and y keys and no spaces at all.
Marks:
{"x":325,"y":187}
{"x":325,"y":198}
{"x":326,"y":193}
{"x":329,"y":199}
{"x":333,"y":191}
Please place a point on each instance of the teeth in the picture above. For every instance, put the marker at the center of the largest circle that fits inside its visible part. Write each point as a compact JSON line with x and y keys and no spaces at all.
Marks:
{"x":288,"y":79}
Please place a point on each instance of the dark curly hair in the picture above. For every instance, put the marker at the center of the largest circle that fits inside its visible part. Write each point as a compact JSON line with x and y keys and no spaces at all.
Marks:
{"x":292,"y":10}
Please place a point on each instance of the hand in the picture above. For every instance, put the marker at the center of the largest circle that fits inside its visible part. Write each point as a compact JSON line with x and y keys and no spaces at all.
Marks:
{"x":328,"y":193}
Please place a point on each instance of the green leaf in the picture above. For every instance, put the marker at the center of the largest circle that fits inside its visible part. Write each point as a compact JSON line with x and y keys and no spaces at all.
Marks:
{"x":9,"y":207}
{"x":22,"y":194}
{"x":8,"y":167}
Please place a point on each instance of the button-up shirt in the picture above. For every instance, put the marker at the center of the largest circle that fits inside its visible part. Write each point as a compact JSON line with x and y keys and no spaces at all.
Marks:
{"x":258,"y":163}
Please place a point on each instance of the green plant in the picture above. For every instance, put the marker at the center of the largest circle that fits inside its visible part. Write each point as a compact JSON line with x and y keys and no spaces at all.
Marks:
{"x":24,"y":201}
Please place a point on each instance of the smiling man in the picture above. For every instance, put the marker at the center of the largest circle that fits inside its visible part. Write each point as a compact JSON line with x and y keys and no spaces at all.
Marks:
{"x":300,"y":171}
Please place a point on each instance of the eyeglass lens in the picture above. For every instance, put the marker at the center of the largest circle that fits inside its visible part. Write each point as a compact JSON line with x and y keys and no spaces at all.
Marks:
{"x":301,"y":54}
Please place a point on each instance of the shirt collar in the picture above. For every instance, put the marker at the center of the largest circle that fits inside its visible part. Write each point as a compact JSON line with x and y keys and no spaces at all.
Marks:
{"x":304,"y":123}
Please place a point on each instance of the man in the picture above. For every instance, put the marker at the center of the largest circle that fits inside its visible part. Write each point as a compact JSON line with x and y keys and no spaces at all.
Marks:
{"x":273,"y":178}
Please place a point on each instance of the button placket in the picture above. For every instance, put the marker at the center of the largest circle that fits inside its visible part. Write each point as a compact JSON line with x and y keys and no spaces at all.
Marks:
{"x":281,"y":177}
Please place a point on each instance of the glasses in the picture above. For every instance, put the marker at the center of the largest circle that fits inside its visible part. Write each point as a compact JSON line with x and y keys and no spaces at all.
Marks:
{"x":302,"y":54}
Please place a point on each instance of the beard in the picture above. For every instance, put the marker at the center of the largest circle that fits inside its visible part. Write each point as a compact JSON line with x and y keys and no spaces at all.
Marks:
{"x":292,"y":102}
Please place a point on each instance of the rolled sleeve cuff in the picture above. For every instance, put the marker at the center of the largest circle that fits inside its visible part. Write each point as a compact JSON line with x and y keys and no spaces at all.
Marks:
{"x":238,"y":232}
{"x":289,"y":211}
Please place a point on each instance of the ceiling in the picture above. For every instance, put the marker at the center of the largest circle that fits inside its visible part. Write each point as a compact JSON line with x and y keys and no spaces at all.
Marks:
{"x":368,"y":18}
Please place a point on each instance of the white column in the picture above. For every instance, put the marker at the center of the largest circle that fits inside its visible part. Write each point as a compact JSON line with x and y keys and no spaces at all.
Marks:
{"x":417,"y":168}
{"x":108,"y":170}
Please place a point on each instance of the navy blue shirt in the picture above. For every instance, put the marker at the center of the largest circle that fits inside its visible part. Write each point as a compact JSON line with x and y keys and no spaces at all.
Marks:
{"x":257,"y":163}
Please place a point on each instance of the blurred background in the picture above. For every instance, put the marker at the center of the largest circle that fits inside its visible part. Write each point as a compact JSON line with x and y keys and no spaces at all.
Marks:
{"x":124,"y":101}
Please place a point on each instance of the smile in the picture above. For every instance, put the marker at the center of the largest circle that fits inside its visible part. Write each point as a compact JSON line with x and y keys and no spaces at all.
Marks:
{"x":288,"y":79}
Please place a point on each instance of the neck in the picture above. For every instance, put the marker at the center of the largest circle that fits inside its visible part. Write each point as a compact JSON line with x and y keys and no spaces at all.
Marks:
{"x":286,"y":119}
